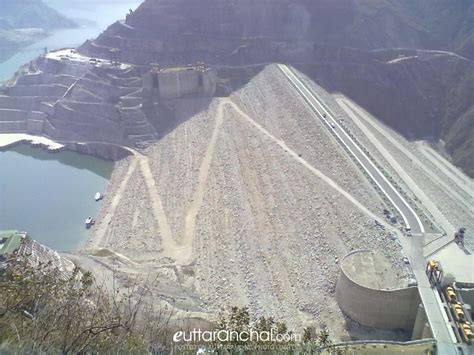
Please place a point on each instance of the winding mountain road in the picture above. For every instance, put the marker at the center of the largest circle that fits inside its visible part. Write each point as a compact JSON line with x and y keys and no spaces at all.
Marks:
{"x":410,"y":218}
{"x":413,"y":247}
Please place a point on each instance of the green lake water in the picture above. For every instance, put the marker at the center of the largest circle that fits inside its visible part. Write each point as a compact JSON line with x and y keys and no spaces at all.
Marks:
{"x":49,"y":195}
{"x":92,"y":16}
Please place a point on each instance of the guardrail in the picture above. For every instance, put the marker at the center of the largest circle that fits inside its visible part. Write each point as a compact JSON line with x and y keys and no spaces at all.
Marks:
{"x":356,"y":160}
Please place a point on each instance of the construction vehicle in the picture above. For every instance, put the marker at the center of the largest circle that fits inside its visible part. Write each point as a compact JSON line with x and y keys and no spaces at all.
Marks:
{"x":466,"y":332}
{"x":451,"y":295}
{"x":434,"y":272}
{"x":459,"y":312}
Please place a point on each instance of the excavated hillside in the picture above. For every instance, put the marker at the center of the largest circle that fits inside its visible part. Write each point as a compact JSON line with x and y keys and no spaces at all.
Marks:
{"x":249,"y":201}
{"x":350,"y":46}
{"x":175,"y":30}
{"x":408,"y":62}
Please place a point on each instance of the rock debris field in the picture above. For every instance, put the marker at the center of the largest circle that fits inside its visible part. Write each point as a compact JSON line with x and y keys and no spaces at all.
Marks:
{"x":238,"y":206}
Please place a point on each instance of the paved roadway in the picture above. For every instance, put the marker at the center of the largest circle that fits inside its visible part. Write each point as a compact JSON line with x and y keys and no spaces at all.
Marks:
{"x":409,"y":216}
{"x":431,"y":301}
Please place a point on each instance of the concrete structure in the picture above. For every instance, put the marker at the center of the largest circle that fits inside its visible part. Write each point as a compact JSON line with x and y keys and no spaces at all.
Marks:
{"x":438,"y":321}
{"x":173,"y":83}
{"x":368,"y":293}
{"x":467,"y":295}
{"x":10,"y":242}
{"x":10,"y":139}
{"x":457,"y":262}
{"x":421,"y":328}
{"x":69,"y":97}
{"x":19,"y":244}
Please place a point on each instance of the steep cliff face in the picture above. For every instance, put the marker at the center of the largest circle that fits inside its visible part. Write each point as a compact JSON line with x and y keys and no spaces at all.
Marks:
{"x":351,"y":46}
{"x":425,"y":96}
{"x":182,"y":30}
{"x":409,"y":62}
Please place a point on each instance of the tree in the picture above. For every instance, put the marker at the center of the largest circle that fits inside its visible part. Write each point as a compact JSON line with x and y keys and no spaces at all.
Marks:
{"x":45,"y":310}
{"x":324,"y":339}
{"x":308,"y":334}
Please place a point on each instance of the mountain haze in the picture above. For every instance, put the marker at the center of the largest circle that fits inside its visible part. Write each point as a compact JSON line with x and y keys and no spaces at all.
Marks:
{"x":22,"y":22}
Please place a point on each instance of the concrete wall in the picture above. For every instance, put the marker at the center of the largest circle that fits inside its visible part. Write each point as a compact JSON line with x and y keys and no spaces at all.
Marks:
{"x":210,"y":82}
{"x":53,"y":90}
{"x":467,"y":295}
{"x":35,"y":122}
{"x":393,"y":309}
{"x":12,"y":126}
{"x":44,"y":79}
{"x":25,"y":103}
{"x":53,"y":66}
{"x":421,"y":328}
{"x":177,"y":84}
{"x":67,"y":124}
{"x":13,"y":115}
{"x":173,"y":84}
{"x":102,"y":110}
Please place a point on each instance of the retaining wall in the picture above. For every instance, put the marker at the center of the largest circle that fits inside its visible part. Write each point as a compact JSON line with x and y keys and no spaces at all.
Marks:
{"x":12,"y":126}
{"x":173,"y":84}
{"x":26,"y":103}
{"x":53,"y":90}
{"x":13,"y":115}
{"x":386,"y":309}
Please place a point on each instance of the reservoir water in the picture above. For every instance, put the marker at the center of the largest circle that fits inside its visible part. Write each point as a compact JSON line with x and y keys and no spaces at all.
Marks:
{"x":49,"y":195}
{"x":92,"y":16}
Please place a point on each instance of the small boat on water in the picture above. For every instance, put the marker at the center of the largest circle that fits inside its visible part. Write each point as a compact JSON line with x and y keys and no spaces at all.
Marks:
{"x":89,"y":222}
{"x":98,"y":196}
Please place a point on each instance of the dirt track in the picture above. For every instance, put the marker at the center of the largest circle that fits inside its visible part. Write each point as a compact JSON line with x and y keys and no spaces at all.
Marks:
{"x":248,"y":203}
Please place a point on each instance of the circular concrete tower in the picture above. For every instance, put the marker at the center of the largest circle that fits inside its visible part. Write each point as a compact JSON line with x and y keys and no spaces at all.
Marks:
{"x":370,"y":292}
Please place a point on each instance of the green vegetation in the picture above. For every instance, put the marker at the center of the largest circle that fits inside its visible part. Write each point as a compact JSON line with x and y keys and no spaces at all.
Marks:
{"x":283,"y":340}
{"x":9,"y":241}
{"x":45,"y":311}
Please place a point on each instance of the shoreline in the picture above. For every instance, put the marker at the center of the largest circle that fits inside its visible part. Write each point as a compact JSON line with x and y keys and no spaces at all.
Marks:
{"x":8,"y":140}
{"x":102,"y":150}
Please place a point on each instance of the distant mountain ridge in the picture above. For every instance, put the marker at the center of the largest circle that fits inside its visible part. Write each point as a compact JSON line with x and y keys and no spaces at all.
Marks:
{"x":31,"y":14}
{"x":22,"y":22}
{"x":351,"y":46}
{"x":414,"y":24}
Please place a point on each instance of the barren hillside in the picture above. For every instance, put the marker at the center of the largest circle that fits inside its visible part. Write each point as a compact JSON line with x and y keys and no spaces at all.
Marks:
{"x":407,"y":62}
{"x":249,"y":202}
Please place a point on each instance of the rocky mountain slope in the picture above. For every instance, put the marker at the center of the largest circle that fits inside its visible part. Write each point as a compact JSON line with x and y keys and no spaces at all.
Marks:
{"x":393,"y":57}
{"x":22,"y":22}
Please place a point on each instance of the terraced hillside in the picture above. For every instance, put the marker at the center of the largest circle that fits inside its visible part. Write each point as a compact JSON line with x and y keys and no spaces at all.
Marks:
{"x":407,"y":62}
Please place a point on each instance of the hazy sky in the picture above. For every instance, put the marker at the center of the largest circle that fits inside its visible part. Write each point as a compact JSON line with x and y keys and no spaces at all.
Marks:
{"x":103,"y":12}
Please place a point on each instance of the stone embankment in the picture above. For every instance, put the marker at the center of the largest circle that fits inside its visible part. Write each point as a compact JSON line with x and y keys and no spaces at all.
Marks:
{"x":68,"y":97}
{"x":243,"y":204}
